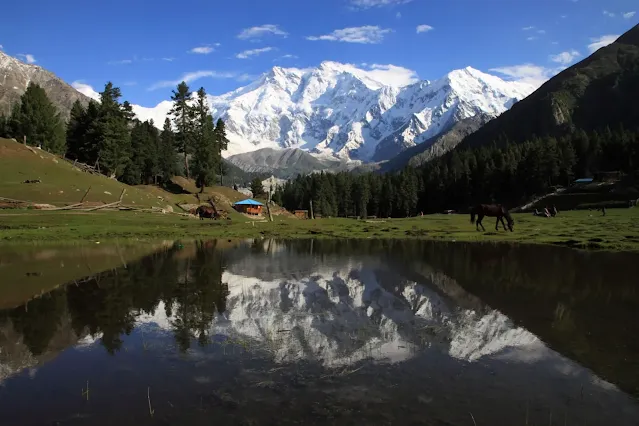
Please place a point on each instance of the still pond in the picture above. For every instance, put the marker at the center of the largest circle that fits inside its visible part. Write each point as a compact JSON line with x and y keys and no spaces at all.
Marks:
{"x":267,"y":332}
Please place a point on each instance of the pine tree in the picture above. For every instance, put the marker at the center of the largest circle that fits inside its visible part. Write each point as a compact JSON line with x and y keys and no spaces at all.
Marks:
{"x":4,"y":128}
{"x":38,"y":119}
{"x":204,"y":156}
{"x":167,"y":161}
{"x":182,"y":113}
{"x":221,"y":144}
{"x":76,"y":131}
{"x":257,"y":188}
{"x":111,"y":131}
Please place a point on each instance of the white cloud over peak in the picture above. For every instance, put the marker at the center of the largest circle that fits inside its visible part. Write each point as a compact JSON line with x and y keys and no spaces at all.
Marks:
{"x":262,"y":30}
{"x":85,"y":89}
{"x":535,"y":75}
{"x":252,"y":52}
{"x":599,"y":42}
{"x":190,"y":77}
{"x":424,"y":28}
{"x":28,"y":58}
{"x":609,"y":14}
{"x":369,"y":34}
{"x":1,"y":47}
{"x":367,"y":4}
{"x":392,"y":75}
{"x":566,"y":57}
{"x":629,"y":15}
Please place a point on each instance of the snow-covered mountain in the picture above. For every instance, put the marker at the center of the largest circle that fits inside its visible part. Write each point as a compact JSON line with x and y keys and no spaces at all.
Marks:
{"x":341,"y":111}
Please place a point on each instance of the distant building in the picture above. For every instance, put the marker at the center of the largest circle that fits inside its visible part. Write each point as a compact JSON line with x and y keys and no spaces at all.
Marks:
{"x":301,"y":214}
{"x":249,"y":206}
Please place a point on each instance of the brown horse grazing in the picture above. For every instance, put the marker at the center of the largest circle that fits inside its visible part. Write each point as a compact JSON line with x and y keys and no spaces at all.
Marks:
{"x":205,"y":211}
{"x":491,"y":210}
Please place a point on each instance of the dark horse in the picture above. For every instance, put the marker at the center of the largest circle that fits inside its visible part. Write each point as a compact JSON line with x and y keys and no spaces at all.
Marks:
{"x":205,"y":211}
{"x":491,"y":210}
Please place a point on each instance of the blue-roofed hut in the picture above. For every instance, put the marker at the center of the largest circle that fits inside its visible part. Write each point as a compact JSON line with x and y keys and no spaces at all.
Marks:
{"x":249,"y":206}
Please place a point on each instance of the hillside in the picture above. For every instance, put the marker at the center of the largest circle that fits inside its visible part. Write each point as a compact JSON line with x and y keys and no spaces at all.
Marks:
{"x":62,"y":183}
{"x":436,"y":146}
{"x":599,"y":91}
{"x":16,"y":76}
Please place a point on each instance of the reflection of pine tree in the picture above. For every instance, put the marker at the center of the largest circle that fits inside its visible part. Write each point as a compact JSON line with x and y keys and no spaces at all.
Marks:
{"x":38,"y":321}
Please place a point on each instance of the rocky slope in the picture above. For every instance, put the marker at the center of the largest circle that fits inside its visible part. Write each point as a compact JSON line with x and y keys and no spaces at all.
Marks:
{"x":597,"y":92}
{"x":16,"y":75}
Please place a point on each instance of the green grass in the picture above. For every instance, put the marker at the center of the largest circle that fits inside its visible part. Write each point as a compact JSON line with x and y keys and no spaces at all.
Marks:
{"x":618,"y":230}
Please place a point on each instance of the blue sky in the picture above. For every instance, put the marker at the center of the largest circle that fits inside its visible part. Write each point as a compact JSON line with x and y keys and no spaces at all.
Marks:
{"x":146,"y":47}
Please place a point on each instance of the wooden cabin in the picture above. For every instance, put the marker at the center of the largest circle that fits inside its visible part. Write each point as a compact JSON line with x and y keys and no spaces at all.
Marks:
{"x":249,"y":206}
{"x":301,"y":214}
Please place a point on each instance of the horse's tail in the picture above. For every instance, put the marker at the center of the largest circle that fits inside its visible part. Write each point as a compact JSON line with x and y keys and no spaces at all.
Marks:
{"x":472,"y":216}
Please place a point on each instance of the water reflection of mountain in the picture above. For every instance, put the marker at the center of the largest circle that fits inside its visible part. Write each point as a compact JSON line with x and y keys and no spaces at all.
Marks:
{"x":339,"y":302}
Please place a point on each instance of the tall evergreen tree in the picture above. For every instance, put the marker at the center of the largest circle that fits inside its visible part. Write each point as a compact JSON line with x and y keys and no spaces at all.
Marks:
{"x":221,"y":144}
{"x":111,"y":132}
{"x":167,"y":159}
{"x":4,"y":128}
{"x":183,"y":122}
{"x":76,"y":131}
{"x":204,"y":155}
{"x":38,"y":119}
{"x":257,"y":188}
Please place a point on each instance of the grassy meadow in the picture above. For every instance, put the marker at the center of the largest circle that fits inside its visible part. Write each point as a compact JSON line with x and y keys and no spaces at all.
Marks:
{"x":618,"y":230}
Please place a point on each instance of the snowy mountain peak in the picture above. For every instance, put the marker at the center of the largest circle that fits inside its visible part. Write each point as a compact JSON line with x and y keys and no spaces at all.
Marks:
{"x":367,"y":113}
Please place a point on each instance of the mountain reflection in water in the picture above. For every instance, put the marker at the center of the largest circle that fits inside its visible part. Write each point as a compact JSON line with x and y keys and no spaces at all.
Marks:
{"x":331,"y":332}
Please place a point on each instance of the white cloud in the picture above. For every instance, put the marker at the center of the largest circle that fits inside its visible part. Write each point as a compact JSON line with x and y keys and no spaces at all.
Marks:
{"x":541,"y":31}
{"x":528,"y":28}
{"x":289,"y":56}
{"x":626,"y":15}
{"x":609,"y":14}
{"x":168,"y":59}
{"x":398,"y":15}
{"x":424,"y":28}
{"x":28,"y":58}
{"x":531,"y":38}
{"x":366,"y":4}
{"x":392,"y":75}
{"x":566,"y":57}
{"x":599,"y":42}
{"x":563,"y":16}
{"x":368,"y":34}
{"x":554,"y":42}
{"x":121,"y":62}
{"x":1,"y":47}
{"x":252,"y":52}
{"x":85,"y":89}
{"x":204,"y":50}
{"x":532,"y":74}
{"x":262,"y":30}
{"x":191,"y":77}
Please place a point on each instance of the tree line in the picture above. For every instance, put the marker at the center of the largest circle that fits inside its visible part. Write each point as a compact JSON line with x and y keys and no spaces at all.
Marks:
{"x":107,"y":135}
{"x":510,"y":175}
